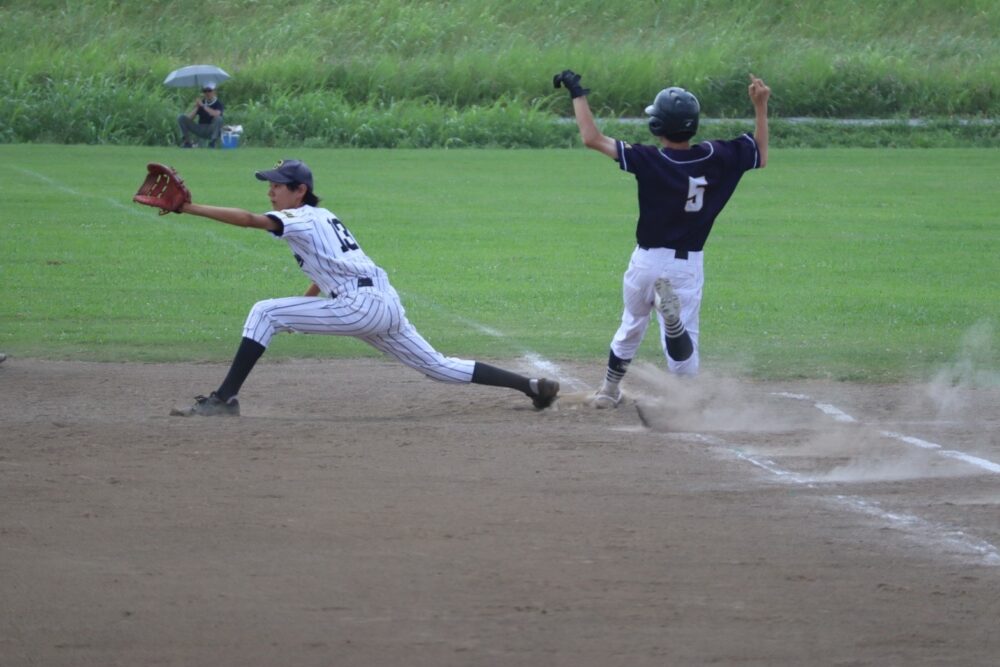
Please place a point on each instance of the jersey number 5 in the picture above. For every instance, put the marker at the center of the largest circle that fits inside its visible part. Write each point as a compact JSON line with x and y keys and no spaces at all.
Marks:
{"x":696,"y":193}
{"x":347,"y":241}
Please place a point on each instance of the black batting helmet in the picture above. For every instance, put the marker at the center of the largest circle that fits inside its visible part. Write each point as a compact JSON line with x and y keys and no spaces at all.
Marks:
{"x":674,"y":114}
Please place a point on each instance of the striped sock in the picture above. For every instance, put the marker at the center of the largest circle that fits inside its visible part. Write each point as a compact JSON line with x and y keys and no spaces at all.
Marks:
{"x":617,"y":367}
{"x":675,"y":328}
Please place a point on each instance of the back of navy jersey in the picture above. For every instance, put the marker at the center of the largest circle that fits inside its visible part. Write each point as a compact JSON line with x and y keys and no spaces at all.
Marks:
{"x":325,"y":250}
{"x":682,"y":191}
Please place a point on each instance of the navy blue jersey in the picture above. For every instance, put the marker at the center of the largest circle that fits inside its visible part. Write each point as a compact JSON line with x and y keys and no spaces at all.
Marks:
{"x":682,"y":191}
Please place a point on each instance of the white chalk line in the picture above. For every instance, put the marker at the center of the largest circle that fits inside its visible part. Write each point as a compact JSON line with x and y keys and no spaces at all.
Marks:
{"x":948,"y":538}
{"x":841,"y":416}
{"x":985,"y":464}
{"x":530,"y":356}
{"x":75,"y":193}
{"x":836,"y":413}
{"x":131,"y":210}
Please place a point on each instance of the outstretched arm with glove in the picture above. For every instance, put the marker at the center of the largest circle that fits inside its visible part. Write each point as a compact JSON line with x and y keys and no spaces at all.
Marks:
{"x":592,"y":137}
{"x":165,"y":189}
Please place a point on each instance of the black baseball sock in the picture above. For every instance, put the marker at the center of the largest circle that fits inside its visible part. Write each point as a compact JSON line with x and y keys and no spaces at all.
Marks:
{"x":498,"y":377}
{"x":679,"y":345}
{"x":617,"y":368}
{"x":247,"y":355}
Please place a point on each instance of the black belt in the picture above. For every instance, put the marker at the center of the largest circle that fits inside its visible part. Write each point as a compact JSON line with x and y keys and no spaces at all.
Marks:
{"x":362,"y":282}
{"x":678,"y":254}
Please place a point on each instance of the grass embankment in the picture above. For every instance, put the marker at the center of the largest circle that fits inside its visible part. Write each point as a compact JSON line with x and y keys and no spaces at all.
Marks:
{"x":475,"y":73}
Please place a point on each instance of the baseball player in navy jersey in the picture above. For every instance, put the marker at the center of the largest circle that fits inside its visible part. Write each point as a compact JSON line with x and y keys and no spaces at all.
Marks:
{"x":349,"y":295}
{"x":682,"y":188}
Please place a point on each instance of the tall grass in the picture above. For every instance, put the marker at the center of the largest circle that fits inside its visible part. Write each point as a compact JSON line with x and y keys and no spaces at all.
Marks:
{"x":91,"y":71}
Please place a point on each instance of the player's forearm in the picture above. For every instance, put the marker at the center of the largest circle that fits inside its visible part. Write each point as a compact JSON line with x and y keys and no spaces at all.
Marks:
{"x":761,"y":132}
{"x":230,"y":216}
{"x":590,"y":134}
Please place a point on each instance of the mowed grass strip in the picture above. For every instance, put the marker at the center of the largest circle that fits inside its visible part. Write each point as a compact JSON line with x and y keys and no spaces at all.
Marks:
{"x":846,"y":264}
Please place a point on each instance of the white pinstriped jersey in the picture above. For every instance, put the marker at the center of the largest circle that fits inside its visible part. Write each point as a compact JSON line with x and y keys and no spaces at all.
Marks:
{"x":325,"y":250}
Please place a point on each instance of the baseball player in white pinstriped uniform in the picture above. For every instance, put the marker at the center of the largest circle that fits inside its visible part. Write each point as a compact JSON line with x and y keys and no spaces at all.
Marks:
{"x":359,"y":302}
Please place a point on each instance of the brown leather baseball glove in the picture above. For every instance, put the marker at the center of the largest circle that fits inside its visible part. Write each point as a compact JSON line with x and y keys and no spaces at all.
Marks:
{"x":163,"y":189}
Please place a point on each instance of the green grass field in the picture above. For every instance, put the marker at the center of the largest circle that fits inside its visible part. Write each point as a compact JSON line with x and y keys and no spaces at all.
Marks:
{"x":847,"y":264}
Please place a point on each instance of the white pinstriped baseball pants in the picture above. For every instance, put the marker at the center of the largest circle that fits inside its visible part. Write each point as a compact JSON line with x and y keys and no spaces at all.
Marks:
{"x":369,"y":314}
{"x":686,"y":277}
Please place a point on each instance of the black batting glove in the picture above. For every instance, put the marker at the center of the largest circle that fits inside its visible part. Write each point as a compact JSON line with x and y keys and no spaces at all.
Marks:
{"x":571,"y":80}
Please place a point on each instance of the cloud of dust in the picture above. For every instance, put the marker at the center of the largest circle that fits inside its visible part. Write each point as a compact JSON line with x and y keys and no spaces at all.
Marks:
{"x":948,"y":390}
{"x":707,"y":402}
{"x":813,"y":445}
{"x":831,"y":452}
{"x":867,"y":456}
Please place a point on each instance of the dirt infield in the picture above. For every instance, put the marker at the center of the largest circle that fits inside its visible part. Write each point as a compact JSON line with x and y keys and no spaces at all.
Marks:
{"x":358,"y":514}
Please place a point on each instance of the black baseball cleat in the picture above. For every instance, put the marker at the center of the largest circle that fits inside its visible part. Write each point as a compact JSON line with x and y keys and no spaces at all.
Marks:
{"x":547,"y":392}
{"x":209,"y":406}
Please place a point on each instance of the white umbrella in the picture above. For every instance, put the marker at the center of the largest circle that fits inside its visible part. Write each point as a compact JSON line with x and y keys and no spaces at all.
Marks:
{"x":195,"y":76}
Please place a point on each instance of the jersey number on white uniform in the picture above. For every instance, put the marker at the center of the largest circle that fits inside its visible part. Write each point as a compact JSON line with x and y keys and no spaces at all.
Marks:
{"x":347,"y":241}
{"x":696,"y":193}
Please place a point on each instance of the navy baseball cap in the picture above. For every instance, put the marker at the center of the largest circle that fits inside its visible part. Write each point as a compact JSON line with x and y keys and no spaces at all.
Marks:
{"x":288,"y":171}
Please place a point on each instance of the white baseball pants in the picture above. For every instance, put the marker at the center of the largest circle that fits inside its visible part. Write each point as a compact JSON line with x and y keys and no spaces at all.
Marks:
{"x":368,"y":314}
{"x":687,"y":278}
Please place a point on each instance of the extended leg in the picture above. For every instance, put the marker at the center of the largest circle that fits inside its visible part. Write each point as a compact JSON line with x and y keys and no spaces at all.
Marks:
{"x":541,"y":391}
{"x":410,"y":348}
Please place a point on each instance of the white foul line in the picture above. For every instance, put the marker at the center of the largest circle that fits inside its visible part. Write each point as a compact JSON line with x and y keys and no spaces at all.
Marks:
{"x":985,"y":464}
{"x":927,"y":532}
{"x":133,"y":211}
{"x":533,"y":358}
{"x":951,"y":537}
{"x":835,"y":412}
{"x":841,"y":416}
{"x":70,"y":191}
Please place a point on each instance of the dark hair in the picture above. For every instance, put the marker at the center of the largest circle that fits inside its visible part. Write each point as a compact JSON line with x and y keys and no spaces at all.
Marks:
{"x":310,"y":199}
